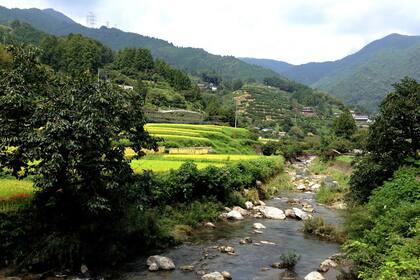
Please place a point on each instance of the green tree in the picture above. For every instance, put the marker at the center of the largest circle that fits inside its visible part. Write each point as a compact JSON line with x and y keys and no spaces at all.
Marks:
{"x":392,"y":138}
{"x":73,"y":130}
{"x":74,"y":54}
{"x":344,"y":125}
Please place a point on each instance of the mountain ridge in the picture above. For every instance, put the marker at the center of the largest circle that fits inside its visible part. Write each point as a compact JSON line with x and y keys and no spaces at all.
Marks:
{"x":366,"y":76}
{"x":193,"y":60}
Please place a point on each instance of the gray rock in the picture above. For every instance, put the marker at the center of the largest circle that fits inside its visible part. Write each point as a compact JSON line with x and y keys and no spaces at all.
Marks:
{"x":258,"y":226}
{"x":234,"y":215}
{"x":226,"y":275}
{"x":213,"y":276}
{"x":153,"y":267}
{"x":326,"y":265}
{"x":163,"y":263}
{"x":187,"y":268}
{"x":84,"y":269}
{"x":226,"y":249}
{"x":289,"y":213}
{"x":209,"y":225}
{"x":246,"y":240}
{"x":241,"y":210}
{"x":314,"y":275}
{"x":249,"y":205}
{"x":301,"y":214}
{"x":270,"y":212}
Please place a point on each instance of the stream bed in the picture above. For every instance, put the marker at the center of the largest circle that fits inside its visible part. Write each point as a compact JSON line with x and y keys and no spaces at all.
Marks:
{"x":252,"y":261}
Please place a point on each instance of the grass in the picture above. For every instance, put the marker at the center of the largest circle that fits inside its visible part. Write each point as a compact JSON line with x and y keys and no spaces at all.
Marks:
{"x":277,"y":184}
{"x":347,"y":159}
{"x":14,"y":194}
{"x":317,"y":227}
{"x":162,"y":163}
{"x":339,"y":170}
{"x":157,"y":165}
{"x":9,"y":187}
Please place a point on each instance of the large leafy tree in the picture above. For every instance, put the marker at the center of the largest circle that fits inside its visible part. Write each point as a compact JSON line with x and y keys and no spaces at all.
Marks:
{"x":69,"y":134}
{"x":75,"y":53}
{"x":393,"y":138}
{"x":344,"y":125}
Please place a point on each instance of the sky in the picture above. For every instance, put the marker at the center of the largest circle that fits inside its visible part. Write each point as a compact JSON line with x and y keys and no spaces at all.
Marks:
{"x":295,"y":31}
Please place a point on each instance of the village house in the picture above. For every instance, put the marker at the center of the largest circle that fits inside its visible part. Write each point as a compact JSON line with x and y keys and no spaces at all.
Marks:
{"x":308,"y":111}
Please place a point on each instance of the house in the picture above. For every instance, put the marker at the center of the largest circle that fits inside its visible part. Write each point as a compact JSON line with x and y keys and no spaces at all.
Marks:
{"x":126,"y":87}
{"x":213,"y":88}
{"x":308,"y":111}
{"x":361,"y":118}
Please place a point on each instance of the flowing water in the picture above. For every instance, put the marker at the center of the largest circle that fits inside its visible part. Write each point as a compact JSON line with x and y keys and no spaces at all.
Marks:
{"x":250,"y":258}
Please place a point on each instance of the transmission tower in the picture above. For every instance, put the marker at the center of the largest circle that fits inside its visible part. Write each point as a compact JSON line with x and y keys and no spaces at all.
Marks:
{"x":91,"y":20}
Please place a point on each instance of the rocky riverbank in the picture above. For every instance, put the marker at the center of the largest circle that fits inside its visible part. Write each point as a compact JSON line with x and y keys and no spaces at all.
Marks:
{"x":247,"y":243}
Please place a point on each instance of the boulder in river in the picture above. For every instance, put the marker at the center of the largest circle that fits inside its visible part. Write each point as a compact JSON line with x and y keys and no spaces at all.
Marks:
{"x":289,"y":213}
{"x":314,"y":275}
{"x":246,"y":240}
{"x":226,"y":249}
{"x":301,"y":187}
{"x":258,"y":226}
{"x":301,"y":214}
{"x":226,"y":275}
{"x":315,"y":186}
{"x":209,"y":225}
{"x":308,"y":208}
{"x":213,"y":276}
{"x":270,"y":212}
{"x":187,"y":268}
{"x":162,"y":263}
{"x":326,"y":265}
{"x":249,"y":205}
{"x":240,"y":210}
{"x":234,"y":215}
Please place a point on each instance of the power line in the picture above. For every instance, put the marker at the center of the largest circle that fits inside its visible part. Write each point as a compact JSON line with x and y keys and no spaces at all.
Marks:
{"x":91,"y":20}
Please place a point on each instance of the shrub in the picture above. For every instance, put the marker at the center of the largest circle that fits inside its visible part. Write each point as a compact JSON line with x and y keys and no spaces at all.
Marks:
{"x":385,"y":232}
{"x":317,"y":227}
{"x":289,"y":260}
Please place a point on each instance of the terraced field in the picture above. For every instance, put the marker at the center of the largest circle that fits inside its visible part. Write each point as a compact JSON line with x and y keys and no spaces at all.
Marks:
{"x":221,"y":139}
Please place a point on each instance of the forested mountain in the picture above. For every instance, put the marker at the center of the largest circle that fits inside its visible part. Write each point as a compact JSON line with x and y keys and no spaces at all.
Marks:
{"x":193,"y":60}
{"x":275,"y":65}
{"x":365,"y":77}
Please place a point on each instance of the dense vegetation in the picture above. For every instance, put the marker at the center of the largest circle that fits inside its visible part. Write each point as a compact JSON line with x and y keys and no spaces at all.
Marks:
{"x":384,"y":225}
{"x":392,"y":141}
{"x":194,"y":61}
{"x":70,"y":135}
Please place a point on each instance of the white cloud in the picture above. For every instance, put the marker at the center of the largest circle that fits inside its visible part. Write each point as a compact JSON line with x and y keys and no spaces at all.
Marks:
{"x":296,"y":31}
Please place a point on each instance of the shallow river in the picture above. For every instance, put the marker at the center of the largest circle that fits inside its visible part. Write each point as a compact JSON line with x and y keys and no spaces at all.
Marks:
{"x":251,"y":258}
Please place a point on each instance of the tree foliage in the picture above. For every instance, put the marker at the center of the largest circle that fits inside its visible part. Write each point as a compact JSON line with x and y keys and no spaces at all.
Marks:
{"x":69,"y":133}
{"x":392,"y":138}
{"x":74,"y":53}
{"x":344,"y":125}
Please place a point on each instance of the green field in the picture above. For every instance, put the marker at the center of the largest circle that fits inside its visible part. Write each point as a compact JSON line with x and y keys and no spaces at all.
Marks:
{"x":223,"y":139}
{"x":161,"y":163}
{"x":10,"y":187}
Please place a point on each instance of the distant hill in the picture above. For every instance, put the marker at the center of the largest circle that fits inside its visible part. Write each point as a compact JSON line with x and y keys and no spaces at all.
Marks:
{"x":275,"y":65}
{"x":193,"y":60}
{"x":365,"y":77}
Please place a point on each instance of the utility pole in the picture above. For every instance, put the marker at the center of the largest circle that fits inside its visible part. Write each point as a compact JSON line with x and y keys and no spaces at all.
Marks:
{"x":236,"y":112}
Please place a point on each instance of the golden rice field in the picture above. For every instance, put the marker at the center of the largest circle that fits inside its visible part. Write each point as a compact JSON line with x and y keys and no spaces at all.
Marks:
{"x":222,"y":139}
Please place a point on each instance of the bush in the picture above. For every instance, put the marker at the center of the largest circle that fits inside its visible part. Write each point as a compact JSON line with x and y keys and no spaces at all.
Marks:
{"x":385,"y":232}
{"x":317,"y":226}
{"x":289,"y":260}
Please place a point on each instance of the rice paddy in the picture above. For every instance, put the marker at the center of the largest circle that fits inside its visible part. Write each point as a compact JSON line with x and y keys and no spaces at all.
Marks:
{"x":221,"y":139}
